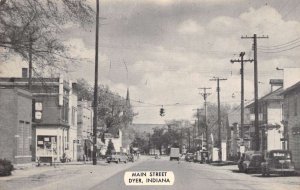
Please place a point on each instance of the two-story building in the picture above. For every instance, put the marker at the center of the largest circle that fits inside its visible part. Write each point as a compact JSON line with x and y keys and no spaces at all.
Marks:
{"x":270,"y":117}
{"x":54,"y":117}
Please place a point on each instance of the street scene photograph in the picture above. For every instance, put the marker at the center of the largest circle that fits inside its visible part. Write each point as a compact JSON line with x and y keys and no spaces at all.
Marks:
{"x":149,"y":94}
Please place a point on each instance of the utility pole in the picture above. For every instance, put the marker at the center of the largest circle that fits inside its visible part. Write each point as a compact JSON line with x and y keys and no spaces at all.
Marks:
{"x":198,"y":118}
{"x":205,"y":95}
{"x":96,"y":88}
{"x":242,"y":89}
{"x":256,"y":121}
{"x":219,"y":114}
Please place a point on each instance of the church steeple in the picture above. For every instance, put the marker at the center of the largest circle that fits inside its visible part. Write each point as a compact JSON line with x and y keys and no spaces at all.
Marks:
{"x":127,"y":97}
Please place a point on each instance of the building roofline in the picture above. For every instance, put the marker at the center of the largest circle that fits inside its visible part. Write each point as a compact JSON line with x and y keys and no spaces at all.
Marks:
{"x":291,"y":88}
{"x":264,"y":97}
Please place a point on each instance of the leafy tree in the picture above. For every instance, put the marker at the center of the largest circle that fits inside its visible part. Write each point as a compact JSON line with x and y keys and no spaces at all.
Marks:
{"x":110,"y":148}
{"x":141,"y":143}
{"x":84,"y":90}
{"x":158,"y":139}
{"x":212,"y":120}
{"x":114,"y":110}
{"x":34,"y":27}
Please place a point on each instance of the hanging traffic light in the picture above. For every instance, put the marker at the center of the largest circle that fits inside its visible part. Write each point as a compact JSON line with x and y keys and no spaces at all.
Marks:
{"x":162,"y":111}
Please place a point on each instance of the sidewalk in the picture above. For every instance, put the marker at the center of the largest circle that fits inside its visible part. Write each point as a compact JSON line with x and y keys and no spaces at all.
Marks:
{"x":30,"y":169}
{"x":23,"y":170}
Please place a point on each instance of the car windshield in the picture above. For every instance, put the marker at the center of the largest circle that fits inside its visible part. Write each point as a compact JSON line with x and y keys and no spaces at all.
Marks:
{"x":281,"y":155}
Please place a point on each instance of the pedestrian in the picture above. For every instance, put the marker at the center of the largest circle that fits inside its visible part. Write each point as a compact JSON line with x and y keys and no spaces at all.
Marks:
{"x":84,"y":158}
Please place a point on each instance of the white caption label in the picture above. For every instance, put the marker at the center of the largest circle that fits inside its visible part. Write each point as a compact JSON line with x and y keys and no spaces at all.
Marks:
{"x":149,"y":178}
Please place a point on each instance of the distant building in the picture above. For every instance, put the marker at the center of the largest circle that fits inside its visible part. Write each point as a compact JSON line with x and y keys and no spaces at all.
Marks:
{"x":291,"y":120}
{"x":54,"y":116}
{"x":270,"y":117}
{"x":142,"y":128}
{"x":84,"y":129}
{"x":15,"y":125}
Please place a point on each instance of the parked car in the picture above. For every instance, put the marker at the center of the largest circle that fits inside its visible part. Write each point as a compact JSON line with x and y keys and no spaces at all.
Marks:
{"x":278,"y":162}
{"x":117,"y":157}
{"x":130,"y":158}
{"x":189,"y":157}
{"x":197,"y":156}
{"x":251,"y":162}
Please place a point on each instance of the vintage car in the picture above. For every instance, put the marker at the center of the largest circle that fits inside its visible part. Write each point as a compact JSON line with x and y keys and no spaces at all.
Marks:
{"x":117,"y":157}
{"x":189,"y":157}
{"x":250,"y":161}
{"x":278,"y":162}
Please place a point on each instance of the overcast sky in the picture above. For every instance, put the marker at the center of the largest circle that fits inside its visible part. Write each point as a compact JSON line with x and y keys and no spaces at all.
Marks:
{"x":173,"y":47}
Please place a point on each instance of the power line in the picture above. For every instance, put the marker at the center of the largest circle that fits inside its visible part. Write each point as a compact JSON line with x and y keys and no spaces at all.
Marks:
{"x":281,"y":50}
{"x":279,"y":46}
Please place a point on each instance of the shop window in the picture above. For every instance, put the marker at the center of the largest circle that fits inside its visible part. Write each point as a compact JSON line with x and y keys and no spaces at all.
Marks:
{"x":46,"y":144}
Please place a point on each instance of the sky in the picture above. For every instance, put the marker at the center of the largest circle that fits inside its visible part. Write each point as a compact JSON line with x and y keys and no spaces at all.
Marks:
{"x":165,"y":50}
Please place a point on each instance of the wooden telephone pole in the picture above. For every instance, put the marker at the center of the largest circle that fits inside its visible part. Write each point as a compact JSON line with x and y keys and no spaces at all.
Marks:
{"x":95,"y":123}
{"x":219,"y":115}
{"x":205,"y":95}
{"x":256,"y":122}
{"x":242,"y":60}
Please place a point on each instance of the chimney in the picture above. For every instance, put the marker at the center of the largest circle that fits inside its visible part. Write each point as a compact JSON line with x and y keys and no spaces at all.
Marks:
{"x":276,"y":84}
{"x":24,"y":72}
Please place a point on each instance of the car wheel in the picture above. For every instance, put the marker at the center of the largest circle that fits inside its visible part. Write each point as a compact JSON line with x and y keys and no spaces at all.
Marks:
{"x":246,"y":170}
{"x":125,"y":161}
{"x":108,"y":162}
{"x":117,"y":161}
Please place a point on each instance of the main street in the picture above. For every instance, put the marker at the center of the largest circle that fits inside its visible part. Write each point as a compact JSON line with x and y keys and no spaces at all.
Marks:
{"x":104,"y":176}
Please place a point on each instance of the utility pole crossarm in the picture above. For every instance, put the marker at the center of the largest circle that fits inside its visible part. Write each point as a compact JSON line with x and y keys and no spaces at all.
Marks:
{"x":248,"y":37}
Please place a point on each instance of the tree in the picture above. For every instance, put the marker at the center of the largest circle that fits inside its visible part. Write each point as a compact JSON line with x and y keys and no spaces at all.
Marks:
{"x":141,"y":143}
{"x":110,"y":148}
{"x":33,"y":27}
{"x":113,"y":110}
{"x":84,"y":90}
{"x":158,"y":139}
{"x":212,"y":119}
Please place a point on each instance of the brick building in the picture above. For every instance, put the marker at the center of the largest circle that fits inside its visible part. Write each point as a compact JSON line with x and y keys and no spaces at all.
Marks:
{"x":54,"y":117}
{"x":15,"y":125}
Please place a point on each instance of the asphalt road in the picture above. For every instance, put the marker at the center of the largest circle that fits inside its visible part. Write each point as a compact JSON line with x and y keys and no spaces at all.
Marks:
{"x":189,"y":176}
